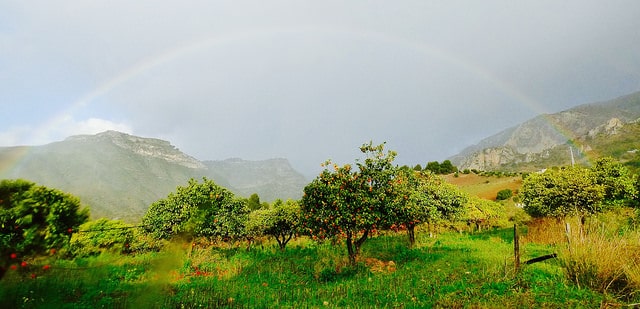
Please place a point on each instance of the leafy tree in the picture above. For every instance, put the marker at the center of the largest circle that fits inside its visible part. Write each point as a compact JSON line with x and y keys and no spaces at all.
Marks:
{"x":480,"y":212}
{"x":418,"y":167}
{"x":254,"y":202}
{"x":35,"y":219}
{"x":423,"y":197}
{"x":619,"y":184}
{"x":348,"y":204}
{"x":102,"y":235}
{"x":562,"y":192}
{"x":198,"y":209}
{"x":280,"y":221}
{"x":433,"y":166}
{"x":504,"y":194}
{"x":447,"y":167}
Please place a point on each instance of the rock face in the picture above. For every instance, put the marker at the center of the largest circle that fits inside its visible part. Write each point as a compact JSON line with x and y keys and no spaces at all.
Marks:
{"x":148,"y":147}
{"x":546,"y":135}
{"x":119,"y":175}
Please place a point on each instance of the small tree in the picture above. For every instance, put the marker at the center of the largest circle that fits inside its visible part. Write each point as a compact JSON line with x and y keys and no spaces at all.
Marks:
{"x":561,"y":193}
{"x":351,"y":205}
{"x":254,"y":202}
{"x":433,"y":166}
{"x":198,"y":209}
{"x":282,"y":221}
{"x":35,"y":219}
{"x":423,"y":197}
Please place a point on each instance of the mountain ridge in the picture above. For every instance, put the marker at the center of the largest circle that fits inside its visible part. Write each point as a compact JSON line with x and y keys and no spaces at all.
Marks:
{"x":537,"y":138}
{"x":119,"y":175}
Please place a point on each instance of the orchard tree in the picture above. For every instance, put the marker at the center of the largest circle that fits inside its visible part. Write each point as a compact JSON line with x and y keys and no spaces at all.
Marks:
{"x":345,"y":204}
{"x":479,"y":212}
{"x":102,"y":235}
{"x":423,"y":197}
{"x":619,"y":184}
{"x":281,"y":221}
{"x":35,"y":219}
{"x":198,"y":209}
{"x":563,"y":192}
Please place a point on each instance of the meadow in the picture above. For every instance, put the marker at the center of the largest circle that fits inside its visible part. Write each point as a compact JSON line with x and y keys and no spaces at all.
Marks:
{"x":451,"y":270}
{"x":450,"y":266}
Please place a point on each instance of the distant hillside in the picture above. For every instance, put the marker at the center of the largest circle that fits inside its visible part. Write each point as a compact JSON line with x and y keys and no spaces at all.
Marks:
{"x":548,"y":140}
{"x":119,"y":175}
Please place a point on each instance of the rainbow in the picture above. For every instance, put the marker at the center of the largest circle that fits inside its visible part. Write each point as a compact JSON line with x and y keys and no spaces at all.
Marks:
{"x":214,"y":41}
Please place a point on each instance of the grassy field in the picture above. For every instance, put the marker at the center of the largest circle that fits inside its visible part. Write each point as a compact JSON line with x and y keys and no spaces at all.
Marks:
{"x":452,"y":270}
{"x":484,"y":186}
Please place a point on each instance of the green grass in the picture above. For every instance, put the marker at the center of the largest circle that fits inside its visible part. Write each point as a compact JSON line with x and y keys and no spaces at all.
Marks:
{"x":452,"y":270}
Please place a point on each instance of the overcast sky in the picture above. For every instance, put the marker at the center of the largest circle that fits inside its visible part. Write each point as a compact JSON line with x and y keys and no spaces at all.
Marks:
{"x":307,"y":80}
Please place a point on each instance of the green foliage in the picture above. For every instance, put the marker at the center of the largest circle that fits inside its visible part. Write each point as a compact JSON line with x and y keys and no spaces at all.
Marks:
{"x":424,"y":197}
{"x":433,"y":167}
{"x":446,"y":167}
{"x":504,"y":194}
{"x":35,"y":219}
{"x":453,"y":271}
{"x":619,"y":184}
{"x":562,"y":192}
{"x":481,"y":212}
{"x":281,"y":221}
{"x":102,"y":235}
{"x":348,"y":204}
{"x":253,"y":203}
{"x":578,"y":191}
{"x":198,"y":209}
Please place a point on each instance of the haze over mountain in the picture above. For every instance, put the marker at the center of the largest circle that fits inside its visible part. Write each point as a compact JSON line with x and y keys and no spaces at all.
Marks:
{"x":119,"y":175}
{"x":546,"y":139}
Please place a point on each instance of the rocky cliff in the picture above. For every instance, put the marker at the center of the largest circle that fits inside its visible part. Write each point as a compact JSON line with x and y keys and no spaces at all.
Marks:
{"x":550,"y":136}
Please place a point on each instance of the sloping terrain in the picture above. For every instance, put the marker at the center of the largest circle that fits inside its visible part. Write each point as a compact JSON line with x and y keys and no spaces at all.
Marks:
{"x":119,"y":175}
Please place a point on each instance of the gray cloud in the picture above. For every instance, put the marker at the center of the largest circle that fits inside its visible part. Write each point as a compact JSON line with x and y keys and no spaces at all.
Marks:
{"x":308,"y":80}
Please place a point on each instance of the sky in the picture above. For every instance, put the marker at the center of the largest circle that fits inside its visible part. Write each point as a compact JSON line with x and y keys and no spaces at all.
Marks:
{"x":307,"y":80}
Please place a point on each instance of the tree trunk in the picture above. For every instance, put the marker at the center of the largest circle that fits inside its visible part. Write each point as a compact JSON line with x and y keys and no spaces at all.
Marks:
{"x":283,"y":240}
{"x":350,"y":250}
{"x":412,"y":235}
{"x":353,"y":248}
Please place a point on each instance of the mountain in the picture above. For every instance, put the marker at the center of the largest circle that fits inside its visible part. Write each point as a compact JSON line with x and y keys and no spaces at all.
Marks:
{"x":119,"y":175}
{"x":552,"y":139}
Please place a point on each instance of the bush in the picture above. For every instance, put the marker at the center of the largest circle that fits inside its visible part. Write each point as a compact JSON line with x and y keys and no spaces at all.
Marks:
{"x":504,"y":194}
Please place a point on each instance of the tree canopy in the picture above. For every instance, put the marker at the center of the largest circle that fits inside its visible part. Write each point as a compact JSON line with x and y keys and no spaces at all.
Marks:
{"x":423,"y":197}
{"x":562,"y":192}
{"x":35,"y":219}
{"x":350,"y":204}
{"x":197,"y":209}
{"x":281,"y":221}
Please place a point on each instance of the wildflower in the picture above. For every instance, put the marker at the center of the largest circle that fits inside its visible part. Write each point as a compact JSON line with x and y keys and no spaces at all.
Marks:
{"x":13,"y":255}
{"x":23,"y":264}
{"x":14,"y":267}
{"x":45,"y":267}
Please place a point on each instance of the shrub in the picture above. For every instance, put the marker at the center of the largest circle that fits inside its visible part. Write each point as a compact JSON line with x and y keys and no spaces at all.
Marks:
{"x":504,"y":194}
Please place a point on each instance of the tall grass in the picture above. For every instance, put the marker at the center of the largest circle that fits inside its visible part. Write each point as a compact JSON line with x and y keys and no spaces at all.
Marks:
{"x":602,"y":255}
{"x":452,"y":270}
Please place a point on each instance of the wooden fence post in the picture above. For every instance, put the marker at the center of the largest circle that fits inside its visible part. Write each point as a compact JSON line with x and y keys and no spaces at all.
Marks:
{"x":516,"y":248}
